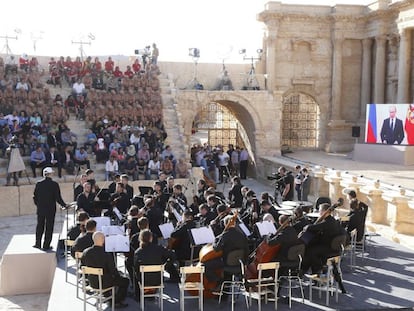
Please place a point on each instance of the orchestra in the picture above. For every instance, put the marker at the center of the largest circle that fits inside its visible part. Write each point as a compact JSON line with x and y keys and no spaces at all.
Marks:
{"x":143,"y":214}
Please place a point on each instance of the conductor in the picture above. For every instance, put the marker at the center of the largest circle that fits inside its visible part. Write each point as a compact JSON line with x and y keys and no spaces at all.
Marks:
{"x":46,"y":194}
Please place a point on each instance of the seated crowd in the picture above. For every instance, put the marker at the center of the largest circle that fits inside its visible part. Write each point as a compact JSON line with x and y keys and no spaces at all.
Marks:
{"x":123,"y":111}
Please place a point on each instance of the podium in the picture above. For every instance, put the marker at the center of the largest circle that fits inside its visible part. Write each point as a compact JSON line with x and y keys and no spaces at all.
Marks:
{"x":27,"y":270}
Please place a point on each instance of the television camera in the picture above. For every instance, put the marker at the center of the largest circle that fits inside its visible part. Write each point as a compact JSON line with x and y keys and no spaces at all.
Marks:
{"x":277,"y":179}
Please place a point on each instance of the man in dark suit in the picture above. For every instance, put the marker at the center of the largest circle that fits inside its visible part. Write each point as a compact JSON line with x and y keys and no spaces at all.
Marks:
{"x":392,"y":130}
{"x":84,"y":241}
{"x":319,"y":248}
{"x":357,"y":215}
{"x":181,"y":234}
{"x":53,"y":160}
{"x":96,"y":257}
{"x":150,"y":253}
{"x":46,"y":194}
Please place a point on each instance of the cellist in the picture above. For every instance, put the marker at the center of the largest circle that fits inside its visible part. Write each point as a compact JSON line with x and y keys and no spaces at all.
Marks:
{"x":229,"y":240}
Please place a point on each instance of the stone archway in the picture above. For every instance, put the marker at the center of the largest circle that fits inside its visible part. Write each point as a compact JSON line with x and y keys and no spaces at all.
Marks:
{"x":300,"y":121}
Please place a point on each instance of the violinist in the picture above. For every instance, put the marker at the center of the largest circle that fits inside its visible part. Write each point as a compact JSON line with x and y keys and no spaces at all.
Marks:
{"x":169,"y":186}
{"x":229,"y":240}
{"x":154,"y":215}
{"x":129,"y":190}
{"x":357,"y":214}
{"x":179,"y":196}
{"x":320,"y":247}
{"x":158,"y":196}
{"x":79,"y":228}
{"x":120,"y":198}
{"x":150,"y":253}
{"x":300,"y":220}
{"x":132,"y":225}
{"x":79,"y":188}
{"x":235,"y":193}
{"x":268,"y":208}
{"x":212,"y":203}
{"x":205,"y":216}
{"x":251,"y":209}
{"x":112,"y":185}
{"x":162,"y":179}
{"x":85,"y":201}
{"x":181,"y":235}
{"x":201,"y":188}
{"x":90,"y":177}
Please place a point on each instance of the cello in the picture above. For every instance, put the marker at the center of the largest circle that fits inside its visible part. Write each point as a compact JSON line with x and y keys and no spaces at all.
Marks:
{"x":208,"y":253}
{"x":264,"y":253}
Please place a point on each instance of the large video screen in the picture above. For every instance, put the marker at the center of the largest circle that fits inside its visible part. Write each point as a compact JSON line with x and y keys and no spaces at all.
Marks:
{"x":390,"y":124}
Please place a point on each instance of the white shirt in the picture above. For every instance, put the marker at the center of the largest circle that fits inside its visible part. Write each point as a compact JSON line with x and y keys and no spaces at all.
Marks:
{"x":111,"y":166}
{"x":78,"y":87}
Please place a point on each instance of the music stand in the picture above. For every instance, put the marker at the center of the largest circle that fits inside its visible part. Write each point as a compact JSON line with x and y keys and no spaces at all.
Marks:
{"x":200,"y":236}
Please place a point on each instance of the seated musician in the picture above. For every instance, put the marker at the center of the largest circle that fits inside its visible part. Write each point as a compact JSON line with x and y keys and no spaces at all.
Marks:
{"x":205,"y":216}
{"x":154,"y":214}
{"x":235,"y":194}
{"x":79,"y":228}
{"x":112,"y":185}
{"x":250,"y":210}
{"x":96,"y":257}
{"x":132,"y":225}
{"x":217,"y":223}
{"x":285,"y":237}
{"x":357,"y":214}
{"x":85,"y":201}
{"x":212,"y":203}
{"x":79,"y":188}
{"x":150,"y":253}
{"x":120,"y":198}
{"x":300,"y":220}
{"x":229,"y":240}
{"x":181,"y":237}
{"x":268,"y":208}
{"x":128,"y":188}
{"x":179,"y":195}
{"x":82,"y":242}
{"x":318,"y":250}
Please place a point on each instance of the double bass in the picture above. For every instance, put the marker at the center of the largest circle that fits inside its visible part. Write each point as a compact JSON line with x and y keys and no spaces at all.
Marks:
{"x":208,"y":253}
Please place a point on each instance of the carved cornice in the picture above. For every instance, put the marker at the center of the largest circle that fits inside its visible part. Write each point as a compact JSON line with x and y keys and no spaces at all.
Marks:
{"x":401,"y":4}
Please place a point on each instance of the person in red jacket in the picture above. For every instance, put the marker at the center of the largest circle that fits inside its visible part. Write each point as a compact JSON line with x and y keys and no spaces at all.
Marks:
{"x":109,"y":65}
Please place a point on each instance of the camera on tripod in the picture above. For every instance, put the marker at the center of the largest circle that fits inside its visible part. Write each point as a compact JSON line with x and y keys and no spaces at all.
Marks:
{"x":278,"y":180}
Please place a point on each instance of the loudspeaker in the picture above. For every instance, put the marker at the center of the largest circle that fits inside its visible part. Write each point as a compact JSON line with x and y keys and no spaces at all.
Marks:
{"x":356,"y":131}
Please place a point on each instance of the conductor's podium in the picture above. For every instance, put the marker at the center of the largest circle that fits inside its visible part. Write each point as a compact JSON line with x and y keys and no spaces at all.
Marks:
{"x":27,"y":270}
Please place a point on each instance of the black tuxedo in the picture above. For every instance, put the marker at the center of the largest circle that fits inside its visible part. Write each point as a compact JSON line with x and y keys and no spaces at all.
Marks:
{"x":96,"y":257}
{"x":285,"y":238}
{"x":182,"y":234}
{"x":390,"y":136}
{"x":82,"y":242}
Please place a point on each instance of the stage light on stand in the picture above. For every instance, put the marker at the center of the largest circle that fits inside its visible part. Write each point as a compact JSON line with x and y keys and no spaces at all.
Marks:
{"x":194,"y":84}
{"x":251,"y":82}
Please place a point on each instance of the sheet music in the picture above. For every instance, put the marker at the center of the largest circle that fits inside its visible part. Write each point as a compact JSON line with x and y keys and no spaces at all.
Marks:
{"x":102,"y":221}
{"x":265,"y":228}
{"x":244,"y":228}
{"x":116,"y":243}
{"x":117,"y":213}
{"x":177,"y":215}
{"x":166,"y":230}
{"x":113,"y":230}
{"x":203,"y":235}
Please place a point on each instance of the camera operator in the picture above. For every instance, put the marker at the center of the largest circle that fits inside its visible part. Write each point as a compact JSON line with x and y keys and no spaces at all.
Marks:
{"x":288,"y":184}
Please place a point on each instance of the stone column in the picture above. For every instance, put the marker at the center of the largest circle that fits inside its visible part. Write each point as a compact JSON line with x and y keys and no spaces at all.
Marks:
{"x":321,"y":186}
{"x":379,"y":86}
{"x":402,"y":216}
{"x":271,"y":43}
{"x":404,"y":62}
{"x":334,"y":180}
{"x":337,"y":79}
{"x":377,"y":207}
{"x":366,"y":76}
